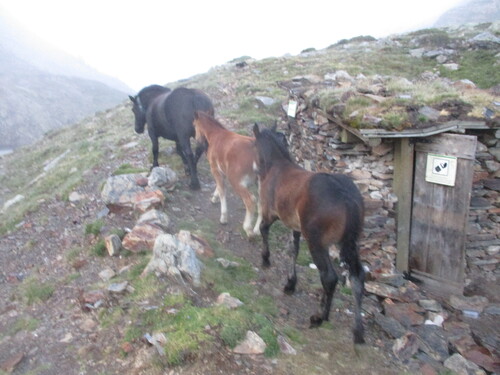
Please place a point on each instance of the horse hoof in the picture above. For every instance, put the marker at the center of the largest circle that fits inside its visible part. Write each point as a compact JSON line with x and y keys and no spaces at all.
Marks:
{"x":358,"y":337}
{"x":315,"y":321}
{"x":266,"y":263}
{"x":361,"y":350}
{"x":289,"y":289}
{"x":195,"y":186}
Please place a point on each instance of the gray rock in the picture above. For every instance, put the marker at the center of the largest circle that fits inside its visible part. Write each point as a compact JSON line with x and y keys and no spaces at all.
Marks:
{"x":485,"y":39}
{"x":18,"y":198}
{"x":107,"y":274}
{"x":227,"y":300}
{"x":451,"y":66}
{"x":429,"y":112}
{"x":227,"y":263}
{"x":285,"y":347}
{"x":493,"y":309}
{"x":462,"y":366}
{"x":430,"y":305}
{"x":118,"y":287}
{"x":155,"y":217}
{"x":265,"y":100}
{"x":113,"y":244}
{"x":390,"y":326}
{"x":406,"y":346}
{"x":75,"y":197}
{"x":474,"y":303}
{"x":120,"y":190}
{"x":175,"y":258}
{"x":252,"y":344}
{"x":162,"y":177}
{"x":433,"y":341}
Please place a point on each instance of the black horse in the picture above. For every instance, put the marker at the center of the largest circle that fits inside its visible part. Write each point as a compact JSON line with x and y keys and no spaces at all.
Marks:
{"x":170,"y":114}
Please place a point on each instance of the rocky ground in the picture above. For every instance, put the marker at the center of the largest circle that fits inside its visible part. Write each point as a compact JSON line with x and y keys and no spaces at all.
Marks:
{"x":58,"y":336}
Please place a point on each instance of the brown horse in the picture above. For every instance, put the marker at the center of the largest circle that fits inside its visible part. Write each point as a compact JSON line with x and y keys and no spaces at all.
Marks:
{"x":324,"y":208}
{"x":231,"y":157}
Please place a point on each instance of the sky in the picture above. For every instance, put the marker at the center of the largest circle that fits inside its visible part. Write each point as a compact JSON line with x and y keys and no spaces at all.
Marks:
{"x":142,"y":42}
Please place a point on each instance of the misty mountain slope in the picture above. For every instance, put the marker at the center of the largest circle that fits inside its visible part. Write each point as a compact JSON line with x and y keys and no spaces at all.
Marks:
{"x":43,"y":89}
{"x":475,"y":11}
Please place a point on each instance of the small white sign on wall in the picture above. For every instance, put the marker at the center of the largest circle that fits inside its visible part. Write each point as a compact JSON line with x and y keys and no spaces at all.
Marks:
{"x":441,"y":169}
{"x":292,"y":108}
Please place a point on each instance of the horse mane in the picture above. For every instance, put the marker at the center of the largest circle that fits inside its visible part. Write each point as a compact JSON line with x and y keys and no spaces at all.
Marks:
{"x":279,"y":141}
{"x":150,"y":92}
{"x":200,"y":115}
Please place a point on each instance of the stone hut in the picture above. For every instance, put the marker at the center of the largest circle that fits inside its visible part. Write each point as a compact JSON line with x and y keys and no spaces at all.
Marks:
{"x":383,"y":162}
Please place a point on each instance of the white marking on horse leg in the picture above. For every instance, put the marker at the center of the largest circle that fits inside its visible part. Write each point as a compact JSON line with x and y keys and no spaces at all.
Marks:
{"x":247,"y":223}
{"x":215,"y":196}
{"x":223,"y":209}
{"x":256,"y":228}
{"x":246,"y":181}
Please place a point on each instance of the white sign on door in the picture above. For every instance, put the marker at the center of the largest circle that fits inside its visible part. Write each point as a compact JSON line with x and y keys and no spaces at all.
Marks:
{"x":441,"y":169}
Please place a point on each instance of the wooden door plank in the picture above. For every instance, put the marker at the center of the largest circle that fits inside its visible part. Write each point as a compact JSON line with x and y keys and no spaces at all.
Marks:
{"x":440,"y":212}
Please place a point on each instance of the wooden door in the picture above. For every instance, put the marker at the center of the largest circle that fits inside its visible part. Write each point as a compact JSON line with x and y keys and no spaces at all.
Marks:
{"x":440,"y":210}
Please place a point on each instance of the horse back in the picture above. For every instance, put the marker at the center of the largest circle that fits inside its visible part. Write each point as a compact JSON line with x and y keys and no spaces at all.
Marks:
{"x":173,"y":112}
{"x":233,"y":153}
{"x":334,"y":208}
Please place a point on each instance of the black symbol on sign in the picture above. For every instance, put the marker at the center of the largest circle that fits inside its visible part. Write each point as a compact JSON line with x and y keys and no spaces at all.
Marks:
{"x":441,"y":166}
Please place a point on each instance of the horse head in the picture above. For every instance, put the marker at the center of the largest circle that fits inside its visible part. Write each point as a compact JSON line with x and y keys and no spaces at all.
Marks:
{"x":271,"y":146}
{"x":139,"y":113}
{"x":142,"y":101}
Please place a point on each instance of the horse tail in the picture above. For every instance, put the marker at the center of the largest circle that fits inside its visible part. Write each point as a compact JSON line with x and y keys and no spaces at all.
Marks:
{"x":353,"y":202}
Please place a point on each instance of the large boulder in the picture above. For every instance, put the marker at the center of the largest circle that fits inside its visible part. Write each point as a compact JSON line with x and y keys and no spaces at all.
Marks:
{"x":174,"y":257}
{"x":128,"y":192}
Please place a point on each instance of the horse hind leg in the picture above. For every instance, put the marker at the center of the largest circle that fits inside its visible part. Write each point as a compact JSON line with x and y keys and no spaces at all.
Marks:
{"x":219,"y":193}
{"x":264,"y":231}
{"x":292,"y":274}
{"x":328,"y":278}
{"x":256,"y":228}
{"x":357,"y":279}
{"x":178,"y":148}
{"x":189,"y":160}
{"x":249,"y":200}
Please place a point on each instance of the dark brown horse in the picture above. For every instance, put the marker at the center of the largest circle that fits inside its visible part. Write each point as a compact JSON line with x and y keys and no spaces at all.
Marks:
{"x":324,"y":208}
{"x":170,"y":114}
{"x":232,"y":158}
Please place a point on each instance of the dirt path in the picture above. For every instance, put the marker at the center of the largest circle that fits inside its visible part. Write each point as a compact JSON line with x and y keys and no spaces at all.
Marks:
{"x":59,"y":337}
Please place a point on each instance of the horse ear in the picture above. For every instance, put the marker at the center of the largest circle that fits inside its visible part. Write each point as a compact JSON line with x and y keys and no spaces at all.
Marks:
{"x":256,"y":131}
{"x":275,"y":126}
{"x":132,"y":99}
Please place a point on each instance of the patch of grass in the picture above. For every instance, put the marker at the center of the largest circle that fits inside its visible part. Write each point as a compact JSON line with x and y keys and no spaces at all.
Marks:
{"x":293,"y":334}
{"x":37,"y":291}
{"x":94,"y":228}
{"x":345,"y":290}
{"x":396,"y":119}
{"x":233,"y":280}
{"x":479,"y":66}
{"x":23,"y":324}
{"x":304,"y":258}
{"x":73,"y":254}
{"x":128,"y":169}
{"x":99,"y":249}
